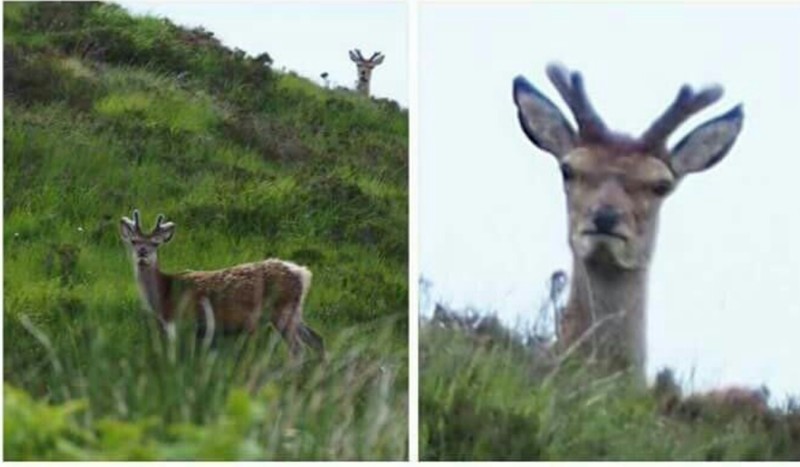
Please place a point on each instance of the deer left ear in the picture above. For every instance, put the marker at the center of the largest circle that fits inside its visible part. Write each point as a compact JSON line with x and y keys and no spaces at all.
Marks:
{"x":707,"y":144}
{"x":163,"y":233}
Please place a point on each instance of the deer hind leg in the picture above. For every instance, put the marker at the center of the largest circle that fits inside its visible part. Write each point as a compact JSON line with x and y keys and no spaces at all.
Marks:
{"x":288,"y":314}
{"x":284,"y":317}
{"x":295,"y":333}
{"x":309,"y":337}
{"x":286,"y":324}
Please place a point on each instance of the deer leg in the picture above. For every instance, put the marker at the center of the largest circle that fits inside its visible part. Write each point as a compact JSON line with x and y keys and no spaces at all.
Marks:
{"x":167,"y":327}
{"x":285,"y":323}
{"x":169,"y":330}
{"x":206,"y":323}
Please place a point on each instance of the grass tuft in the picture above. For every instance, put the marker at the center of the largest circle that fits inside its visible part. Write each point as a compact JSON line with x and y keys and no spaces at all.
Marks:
{"x":490,"y":393}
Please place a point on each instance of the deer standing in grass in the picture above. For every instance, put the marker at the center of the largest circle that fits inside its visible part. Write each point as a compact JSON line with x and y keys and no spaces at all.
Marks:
{"x":364,"y":66}
{"x":615,"y":185}
{"x":231,"y":299}
{"x":728,"y":402}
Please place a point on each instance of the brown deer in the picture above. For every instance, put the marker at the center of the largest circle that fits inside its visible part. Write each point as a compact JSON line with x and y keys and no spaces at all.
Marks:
{"x":232,"y":299}
{"x":728,"y":402}
{"x":364,"y":66}
{"x":615,"y":184}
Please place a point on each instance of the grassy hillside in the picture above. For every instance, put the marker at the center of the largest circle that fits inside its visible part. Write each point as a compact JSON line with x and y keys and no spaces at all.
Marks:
{"x":104,"y":113}
{"x":491,"y":393}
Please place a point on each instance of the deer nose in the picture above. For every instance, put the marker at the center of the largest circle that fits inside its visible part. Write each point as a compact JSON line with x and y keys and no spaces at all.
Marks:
{"x":606,"y":218}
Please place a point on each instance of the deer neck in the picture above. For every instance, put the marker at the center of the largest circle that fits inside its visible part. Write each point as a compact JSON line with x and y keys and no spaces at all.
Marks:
{"x":362,"y":85}
{"x":613,"y":300}
{"x":154,"y":289}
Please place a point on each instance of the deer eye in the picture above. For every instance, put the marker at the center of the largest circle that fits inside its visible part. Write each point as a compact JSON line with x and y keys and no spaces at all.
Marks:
{"x":662,"y":188}
{"x":567,"y":173}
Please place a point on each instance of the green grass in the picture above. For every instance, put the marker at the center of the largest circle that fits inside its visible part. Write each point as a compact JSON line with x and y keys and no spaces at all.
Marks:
{"x":495,"y":399}
{"x":249,"y":163}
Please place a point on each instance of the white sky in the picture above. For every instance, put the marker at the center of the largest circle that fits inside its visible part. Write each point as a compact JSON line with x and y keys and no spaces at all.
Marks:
{"x":723,"y":289}
{"x":308,"y":38}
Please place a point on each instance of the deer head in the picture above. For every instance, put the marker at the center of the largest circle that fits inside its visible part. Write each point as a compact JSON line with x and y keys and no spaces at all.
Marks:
{"x":615,"y":183}
{"x":144,"y":247}
{"x":365,"y":67}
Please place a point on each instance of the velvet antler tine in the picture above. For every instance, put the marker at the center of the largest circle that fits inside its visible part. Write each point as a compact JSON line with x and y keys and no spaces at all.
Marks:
{"x":559,"y":76}
{"x":137,"y":224}
{"x":686,"y":104}
{"x":591,"y":123}
{"x":571,"y":88}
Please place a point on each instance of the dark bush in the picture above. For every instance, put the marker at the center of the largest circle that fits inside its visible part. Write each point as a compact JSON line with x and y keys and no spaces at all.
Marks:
{"x":106,"y":33}
{"x":33,"y":78}
{"x":62,"y":262}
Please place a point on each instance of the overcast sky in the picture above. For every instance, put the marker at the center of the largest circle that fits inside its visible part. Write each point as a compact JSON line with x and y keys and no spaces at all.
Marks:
{"x":724,"y":282}
{"x":308,"y":38}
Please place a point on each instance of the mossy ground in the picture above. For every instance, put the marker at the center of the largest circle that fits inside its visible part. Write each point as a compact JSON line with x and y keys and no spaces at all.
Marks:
{"x":493,"y":396}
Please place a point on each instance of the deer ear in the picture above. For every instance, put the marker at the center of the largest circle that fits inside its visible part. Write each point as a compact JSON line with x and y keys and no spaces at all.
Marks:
{"x":379,"y":60}
{"x":541,"y":120}
{"x":126,"y":229}
{"x":353,"y":56}
{"x":707,"y":144}
{"x":163,"y":233}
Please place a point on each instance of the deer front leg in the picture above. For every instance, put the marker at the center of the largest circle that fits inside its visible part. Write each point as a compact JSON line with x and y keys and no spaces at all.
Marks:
{"x":206,"y":317}
{"x":169,"y":330}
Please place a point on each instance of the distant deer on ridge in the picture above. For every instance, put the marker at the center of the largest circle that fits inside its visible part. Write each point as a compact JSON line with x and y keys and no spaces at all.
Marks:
{"x":364,"y":67}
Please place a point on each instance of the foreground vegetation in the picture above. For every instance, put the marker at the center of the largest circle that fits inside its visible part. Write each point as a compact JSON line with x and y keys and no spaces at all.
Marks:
{"x":105,"y":112}
{"x":490,"y":393}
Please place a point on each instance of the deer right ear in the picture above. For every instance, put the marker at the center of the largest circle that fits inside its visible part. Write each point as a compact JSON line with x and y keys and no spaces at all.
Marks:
{"x":353,"y":56}
{"x":541,"y":120}
{"x":163,"y":233}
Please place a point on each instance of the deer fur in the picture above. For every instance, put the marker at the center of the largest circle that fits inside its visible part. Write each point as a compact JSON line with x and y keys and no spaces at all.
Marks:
{"x":726,"y":402}
{"x":229,"y":300}
{"x":615,"y":185}
{"x":364,"y":67}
